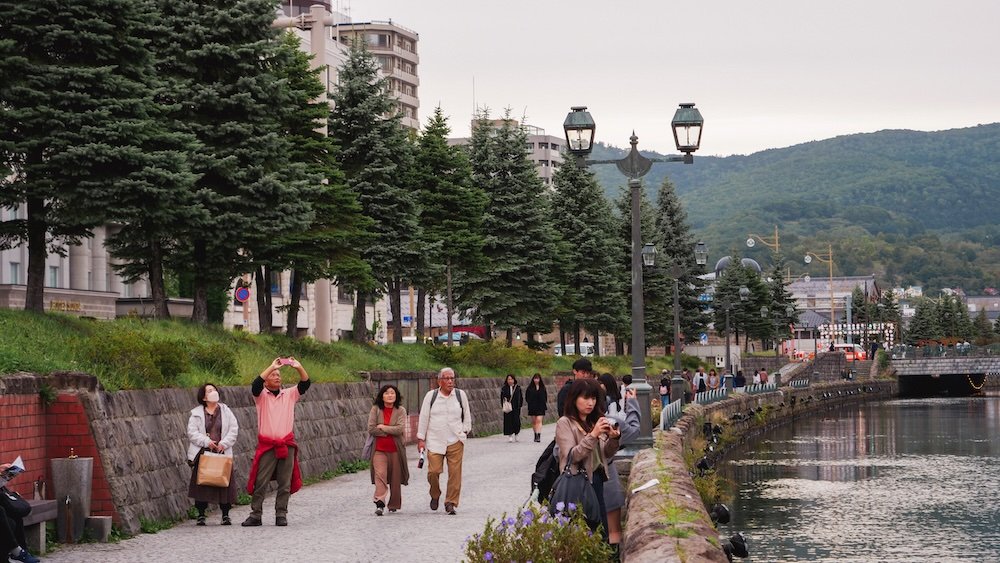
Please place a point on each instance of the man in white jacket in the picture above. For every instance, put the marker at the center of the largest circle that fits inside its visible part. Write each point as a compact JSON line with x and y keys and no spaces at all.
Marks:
{"x":445,"y":422}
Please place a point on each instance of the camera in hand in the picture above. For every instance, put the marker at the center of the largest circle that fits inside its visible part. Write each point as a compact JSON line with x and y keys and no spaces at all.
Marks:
{"x":614,"y":423}
{"x":285,"y":361}
{"x":420,"y":462}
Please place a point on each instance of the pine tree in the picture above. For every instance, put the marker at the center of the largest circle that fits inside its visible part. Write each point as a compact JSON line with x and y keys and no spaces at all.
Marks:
{"x":984,"y":333}
{"x":78,"y":122}
{"x":219,"y":63}
{"x":744,"y":317}
{"x":592,"y":295}
{"x":518,"y":290}
{"x":657,"y":287}
{"x":677,"y":249}
{"x":378,"y":164}
{"x":780,"y":299}
{"x":924,"y":324}
{"x":328,"y":247}
{"x":451,"y":214}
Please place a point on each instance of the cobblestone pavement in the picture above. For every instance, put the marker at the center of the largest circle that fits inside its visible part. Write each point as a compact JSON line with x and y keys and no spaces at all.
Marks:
{"x":335,"y":520}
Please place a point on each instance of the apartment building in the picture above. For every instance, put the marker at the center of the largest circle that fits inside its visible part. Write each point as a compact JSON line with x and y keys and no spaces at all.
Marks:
{"x":544,"y":151}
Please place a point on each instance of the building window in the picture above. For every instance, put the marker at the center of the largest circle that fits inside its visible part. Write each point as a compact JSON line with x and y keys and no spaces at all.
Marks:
{"x":378,"y":40}
{"x":344,"y":296}
{"x":529,"y":146}
{"x":275,"y":283}
{"x":386,"y":63}
{"x":544,"y":163}
{"x":554,"y":147}
{"x":15,"y":273}
{"x":53,"y":276}
{"x":543,"y":145}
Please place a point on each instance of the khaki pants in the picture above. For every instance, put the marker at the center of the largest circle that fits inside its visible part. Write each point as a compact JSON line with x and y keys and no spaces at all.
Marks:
{"x":435,"y":466}
{"x":282,"y":470}
{"x":388,"y":475}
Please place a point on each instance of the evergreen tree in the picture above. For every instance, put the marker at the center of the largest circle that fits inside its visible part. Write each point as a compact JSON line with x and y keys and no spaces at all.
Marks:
{"x":924,"y":324}
{"x":451,"y":214}
{"x":219,"y":62}
{"x":984,"y":333}
{"x":78,"y":123}
{"x":657,"y":288}
{"x":780,"y":299}
{"x":378,"y":163}
{"x":677,"y":249}
{"x":592,"y":296}
{"x":328,"y":247}
{"x":518,"y":290}
{"x":744,"y":317}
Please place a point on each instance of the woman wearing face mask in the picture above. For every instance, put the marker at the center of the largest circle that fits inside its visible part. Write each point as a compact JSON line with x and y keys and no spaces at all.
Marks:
{"x":211,"y":427}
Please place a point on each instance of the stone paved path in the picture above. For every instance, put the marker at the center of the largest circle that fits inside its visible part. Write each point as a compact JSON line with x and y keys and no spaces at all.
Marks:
{"x":334,"y":521}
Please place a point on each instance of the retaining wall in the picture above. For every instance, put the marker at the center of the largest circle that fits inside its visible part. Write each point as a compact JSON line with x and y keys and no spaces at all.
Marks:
{"x":645,"y":538}
{"x":138,"y":439}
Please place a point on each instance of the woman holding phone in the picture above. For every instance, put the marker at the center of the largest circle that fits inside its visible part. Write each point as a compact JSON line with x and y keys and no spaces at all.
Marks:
{"x":586,"y":439}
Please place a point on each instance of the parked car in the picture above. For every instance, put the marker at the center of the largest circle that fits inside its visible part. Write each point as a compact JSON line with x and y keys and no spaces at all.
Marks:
{"x":854,"y":352}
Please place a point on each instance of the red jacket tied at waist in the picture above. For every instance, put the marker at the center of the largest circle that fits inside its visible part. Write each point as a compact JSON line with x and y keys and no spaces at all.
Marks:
{"x":280,"y":448}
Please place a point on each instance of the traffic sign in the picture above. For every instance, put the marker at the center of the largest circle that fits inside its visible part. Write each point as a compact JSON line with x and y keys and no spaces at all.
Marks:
{"x":242,"y":294}
{"x":703,"y":339}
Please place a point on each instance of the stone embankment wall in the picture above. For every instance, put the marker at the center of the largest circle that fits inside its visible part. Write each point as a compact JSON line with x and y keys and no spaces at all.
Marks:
{"x":647,"y":536}
{"x":138,"y":439}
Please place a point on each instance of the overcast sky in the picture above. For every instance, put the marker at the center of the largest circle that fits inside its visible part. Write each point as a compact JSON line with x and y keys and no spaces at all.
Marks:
{"x":764,"y":74}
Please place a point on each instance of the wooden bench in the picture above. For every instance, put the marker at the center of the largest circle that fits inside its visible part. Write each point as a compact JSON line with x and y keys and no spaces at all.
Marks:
{"x":34,"y":523}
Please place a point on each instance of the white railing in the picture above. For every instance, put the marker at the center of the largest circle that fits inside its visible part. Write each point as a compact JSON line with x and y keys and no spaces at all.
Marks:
{"x":799,"y":383}
{"x":670,"y":414}
{"x":709,"y":397}
{"x":760,"y":388}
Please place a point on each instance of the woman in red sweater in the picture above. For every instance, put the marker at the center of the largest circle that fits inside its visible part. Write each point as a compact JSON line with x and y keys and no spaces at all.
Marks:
{"x":388,"y":464}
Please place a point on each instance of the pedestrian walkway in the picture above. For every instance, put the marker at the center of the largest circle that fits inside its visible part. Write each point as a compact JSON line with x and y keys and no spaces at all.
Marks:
{"x":334,"y":521}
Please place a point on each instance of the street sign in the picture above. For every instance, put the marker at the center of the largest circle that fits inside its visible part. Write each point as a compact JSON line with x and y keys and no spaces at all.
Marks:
{"x":407,"y":319}
{"x":242,"y":294}
{"x":703,"y":339}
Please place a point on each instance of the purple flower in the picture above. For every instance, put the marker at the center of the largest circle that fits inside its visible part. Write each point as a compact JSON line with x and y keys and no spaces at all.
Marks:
{"x":547,"y":536}
{"x":571,"y":507}
{"x":560,"y":506}
{"x":488,"y":556}
{"x":510,"y":521}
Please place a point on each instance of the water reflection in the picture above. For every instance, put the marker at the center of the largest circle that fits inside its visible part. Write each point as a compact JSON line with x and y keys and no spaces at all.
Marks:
{"x":904,"y":480}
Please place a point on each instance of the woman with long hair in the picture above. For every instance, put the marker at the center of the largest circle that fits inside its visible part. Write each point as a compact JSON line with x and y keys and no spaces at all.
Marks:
{"x":386,"y":421}
{"x":628,"y":424}
{"x":511,"y":393}
{"x":212,"y":427}
{"x":587,"y":440}
{"x":537,"y":398}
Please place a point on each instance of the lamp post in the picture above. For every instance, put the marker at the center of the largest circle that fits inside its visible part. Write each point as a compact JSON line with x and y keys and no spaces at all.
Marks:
{"x":701,"y":257}
{"x":580,"y":128}
{"x":826,"y":258}
{"x":775,"y":316}
{"x":726,"y":306}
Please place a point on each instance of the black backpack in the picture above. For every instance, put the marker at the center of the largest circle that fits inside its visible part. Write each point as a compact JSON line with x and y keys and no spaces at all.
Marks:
{"x":546,"y":472}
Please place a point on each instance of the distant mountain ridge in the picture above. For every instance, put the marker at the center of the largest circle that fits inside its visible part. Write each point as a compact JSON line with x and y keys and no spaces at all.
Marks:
{"x":890,"y":185}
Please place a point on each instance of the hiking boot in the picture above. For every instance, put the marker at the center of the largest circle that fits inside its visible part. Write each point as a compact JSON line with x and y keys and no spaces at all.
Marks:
{"x":201,"y":520}
{"x":251,"y":521}
{"x":434,"y":504}
{"x":449,"y":508}
{"x":379,"y":508}
{"x":280,"y":521}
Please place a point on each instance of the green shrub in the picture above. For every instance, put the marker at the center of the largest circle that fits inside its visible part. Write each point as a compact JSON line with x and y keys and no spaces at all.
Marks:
{"x":446,"y":355}
{"x":304,"y":348}
{"x":497,"y":355}
{"x":125,"y":356}
{"x":534,"y":535}
{"x":215,"y":358}
{"x":171,"y":358}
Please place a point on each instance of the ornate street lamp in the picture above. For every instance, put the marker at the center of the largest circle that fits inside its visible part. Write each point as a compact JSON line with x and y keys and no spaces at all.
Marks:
{"x":649,"y":254}
{"x":687,"y":126}
{"x":701,"y":253}
{"x":727,"y":306}
{"x":580,"y":128}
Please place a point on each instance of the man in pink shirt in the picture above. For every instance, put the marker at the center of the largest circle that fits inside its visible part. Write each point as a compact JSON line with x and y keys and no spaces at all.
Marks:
{"x":277,"y":455}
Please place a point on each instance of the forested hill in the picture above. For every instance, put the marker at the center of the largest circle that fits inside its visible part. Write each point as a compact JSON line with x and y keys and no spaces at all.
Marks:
{"x":914,"y":207}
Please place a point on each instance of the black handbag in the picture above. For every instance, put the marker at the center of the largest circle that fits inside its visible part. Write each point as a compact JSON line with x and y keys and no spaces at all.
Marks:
{"x":575,"y":489}
{"x":13,"y":504}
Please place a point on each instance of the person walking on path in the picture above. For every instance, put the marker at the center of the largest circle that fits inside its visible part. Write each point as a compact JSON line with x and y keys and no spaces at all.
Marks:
{"x":538,"y":402}
{"x":277,"y":455}
{"x":586,"y":440}
{"x":444,"y":425}
{"x":388,"y":463}
{"x":511,"y":394}
{"x":582,"y":369}
{"x":212,"y":427}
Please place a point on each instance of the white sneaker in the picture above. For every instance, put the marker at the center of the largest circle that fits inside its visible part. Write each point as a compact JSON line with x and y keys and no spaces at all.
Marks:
{"x":515,"y":437}
{"x":510,"y":438}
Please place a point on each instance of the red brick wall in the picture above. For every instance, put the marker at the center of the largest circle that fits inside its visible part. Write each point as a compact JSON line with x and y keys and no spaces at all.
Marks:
{"x":38,"y":434}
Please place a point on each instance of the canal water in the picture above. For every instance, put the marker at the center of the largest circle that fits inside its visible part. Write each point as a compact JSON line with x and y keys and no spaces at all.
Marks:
{"x":904,"y":480}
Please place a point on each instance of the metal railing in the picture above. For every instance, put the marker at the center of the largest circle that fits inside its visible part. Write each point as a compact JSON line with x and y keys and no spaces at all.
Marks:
{"x":759,"y":388}
{"x":907,"y":352}
{"x":670,"y":414}
{"x":709,"y":397}
{"x":799,"y":383}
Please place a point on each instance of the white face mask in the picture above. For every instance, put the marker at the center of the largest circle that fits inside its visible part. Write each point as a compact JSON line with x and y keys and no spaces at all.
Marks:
{"x":212,"y":397}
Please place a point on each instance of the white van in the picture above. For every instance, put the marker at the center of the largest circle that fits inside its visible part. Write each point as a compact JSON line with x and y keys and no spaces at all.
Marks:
{"x":586,"y":349}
